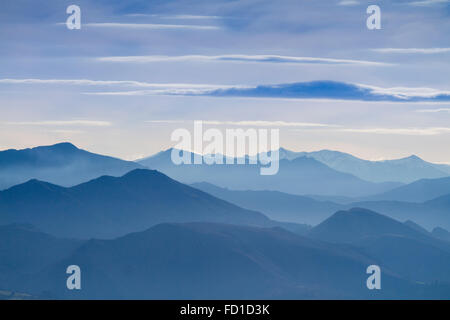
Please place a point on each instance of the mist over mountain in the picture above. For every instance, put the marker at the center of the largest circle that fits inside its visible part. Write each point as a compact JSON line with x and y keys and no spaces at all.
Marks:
{"x":111,"y":206}
{"x":395,"y":245}
{"x":276,"y":205}
{"x":62,"y":164}
{"x":418,"y":191}
{"x":404,"y":170}
{"x":429,"y":214}
{"x":299,"y":176}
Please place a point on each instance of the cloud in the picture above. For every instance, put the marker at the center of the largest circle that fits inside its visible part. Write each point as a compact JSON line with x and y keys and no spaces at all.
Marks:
{"x":336,"y":90}
{"x":252,"y":123}
{"x":175,"y":16}
{"x":242,"y":58}
{"x":401,"y":131}
{"x":413,"y":50}
{"x":434,"y":110}
{"x":425,"y":3}
{"x":331,"y":90}
{"x":156,"y":87}
{"x":149,"y":26}
{"x":84,"y":123}
{"x":348,"y":3}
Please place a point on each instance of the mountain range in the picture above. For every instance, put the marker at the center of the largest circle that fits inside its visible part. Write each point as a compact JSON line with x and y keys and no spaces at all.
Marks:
{"x":224,"y":261}
{"x":302,"y":175}
{"x":112,"y":206}
{"x":405,"y":170}
{"x":62,"y":164}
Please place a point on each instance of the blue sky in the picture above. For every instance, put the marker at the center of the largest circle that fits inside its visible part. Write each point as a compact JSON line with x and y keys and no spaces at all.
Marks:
{"x":137,"y":70}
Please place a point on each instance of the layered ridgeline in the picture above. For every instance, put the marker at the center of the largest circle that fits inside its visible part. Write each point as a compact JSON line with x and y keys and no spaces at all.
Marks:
{"x":62,"y":164}
{"x":403,"y":247}
{"x":276,"y":205}
{"x":302,"y":175}
{"x":111,"y":206}
{"x":404,"y":170}
{"x":307,"y":209}
{"x":222,"y":261}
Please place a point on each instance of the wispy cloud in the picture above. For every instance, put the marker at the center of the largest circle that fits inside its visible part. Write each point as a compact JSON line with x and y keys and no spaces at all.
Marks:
{"x":331,"y":90}
{"x":406,"y":92}
{"x":242,"y":58}
{"x":401,"y":131}
{"x":425,"y":3}
{"x":84,"y":123}
{"x":149,"y":26}
{"x":175,"y":16}
{"x":348,"y":3}
{"x":156,"y":87}
{"x":303,"y":90}
{"x":253,"y":123}
{"x":447,"y":110}
{"x":413,"y":50}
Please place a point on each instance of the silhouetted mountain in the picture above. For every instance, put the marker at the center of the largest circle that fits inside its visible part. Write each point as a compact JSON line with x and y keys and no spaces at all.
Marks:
{"x":211,"y":261}
{"x":300,"y":176}
{"x":25,"y":250}
{"x":110,"y":206}
{"x":276,"y":205}
{"x":357,"y":224}
{"x":62,"y":164}
{"x":404,"y":170}
{"x":441,"y":233}
{"x":395,"y":246}
{"x":416,"y":227}
{"x":429,"y":214}
{"x":418,"y":191}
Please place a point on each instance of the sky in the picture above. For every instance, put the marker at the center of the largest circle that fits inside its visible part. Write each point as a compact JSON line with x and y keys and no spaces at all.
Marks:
{"x":137,"y":70}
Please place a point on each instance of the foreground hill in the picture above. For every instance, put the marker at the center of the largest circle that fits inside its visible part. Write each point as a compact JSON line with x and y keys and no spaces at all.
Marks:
{"x":220,"y":261}
{"x":298,"y":176}
{"x":110,"y":206}
{"x":62,"y":164}
{"x":216,"y":261}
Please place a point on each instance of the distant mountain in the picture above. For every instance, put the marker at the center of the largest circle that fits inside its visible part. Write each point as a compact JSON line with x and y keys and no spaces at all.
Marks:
{"x":394,"y":245}
{"x":429,"y":214}
{"x":276,"y":205}
{"x":62,"y":164}
{"x":358,"y":224}
{"x":441,"y":233}
{"x":416,"y":227}
{"x":300,"y":176}
{"x":419,"y":191}
{"x":217,"y":261}
{"x":404,"y":170}
{"x":110,"y":206}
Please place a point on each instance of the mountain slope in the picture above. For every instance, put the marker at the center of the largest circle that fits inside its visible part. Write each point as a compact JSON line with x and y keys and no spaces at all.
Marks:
{"x":276,"y":205}
{"x":298,"y":176}
{"x":62,"y":164}
{"x":110,"y":206}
